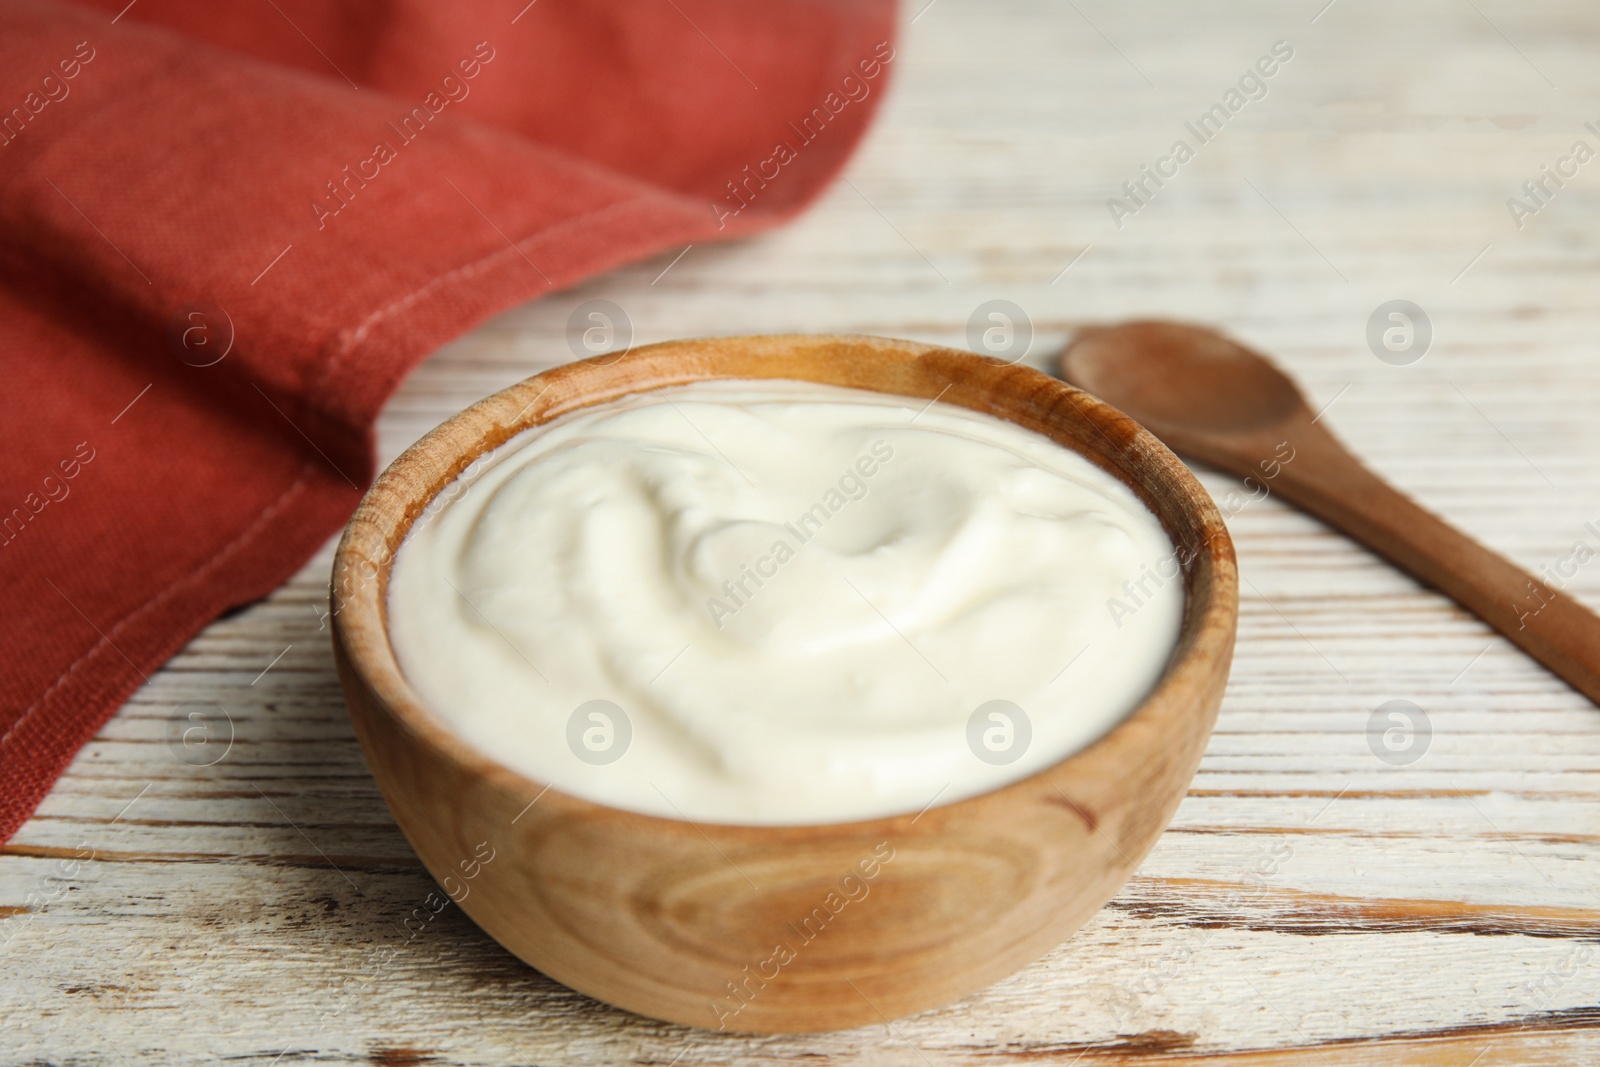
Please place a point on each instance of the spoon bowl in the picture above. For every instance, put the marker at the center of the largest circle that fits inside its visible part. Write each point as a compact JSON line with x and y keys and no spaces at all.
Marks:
{"x":1213,"y":399}
{"x":1184,"y":383}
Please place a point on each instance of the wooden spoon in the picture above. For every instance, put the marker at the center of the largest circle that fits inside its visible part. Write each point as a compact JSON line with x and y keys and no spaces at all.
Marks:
{"x":1215,"y":400}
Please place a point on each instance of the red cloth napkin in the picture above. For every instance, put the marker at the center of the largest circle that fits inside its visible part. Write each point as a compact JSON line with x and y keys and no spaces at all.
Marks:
{"x":227,"y":231}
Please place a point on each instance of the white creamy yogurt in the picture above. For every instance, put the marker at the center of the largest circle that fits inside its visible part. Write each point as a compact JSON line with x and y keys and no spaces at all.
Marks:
{"x":778,"y":602}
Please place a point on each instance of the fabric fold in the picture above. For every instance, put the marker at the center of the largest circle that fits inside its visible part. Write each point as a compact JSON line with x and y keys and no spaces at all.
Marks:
{"x":227,"y":234}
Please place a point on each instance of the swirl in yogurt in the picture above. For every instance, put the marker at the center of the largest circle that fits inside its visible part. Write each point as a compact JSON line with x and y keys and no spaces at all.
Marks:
{"x":778,"y":602}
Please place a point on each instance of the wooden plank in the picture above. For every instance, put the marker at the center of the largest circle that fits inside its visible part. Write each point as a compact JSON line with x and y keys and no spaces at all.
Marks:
{"x":1312,"y":904}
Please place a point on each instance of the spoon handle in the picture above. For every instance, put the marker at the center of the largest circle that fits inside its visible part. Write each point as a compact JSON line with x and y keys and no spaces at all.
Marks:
{"x":1326,"y":480}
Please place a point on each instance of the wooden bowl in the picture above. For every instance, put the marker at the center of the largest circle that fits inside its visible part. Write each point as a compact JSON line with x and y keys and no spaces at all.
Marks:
{"x":786,"y":928}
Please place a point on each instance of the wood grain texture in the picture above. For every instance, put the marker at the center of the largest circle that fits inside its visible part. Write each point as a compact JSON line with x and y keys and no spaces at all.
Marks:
{"x":1310,"y":903}
{"x":786,"y":929}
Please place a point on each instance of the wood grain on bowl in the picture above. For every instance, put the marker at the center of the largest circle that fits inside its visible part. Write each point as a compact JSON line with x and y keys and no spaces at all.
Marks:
{"x":786,"y":928}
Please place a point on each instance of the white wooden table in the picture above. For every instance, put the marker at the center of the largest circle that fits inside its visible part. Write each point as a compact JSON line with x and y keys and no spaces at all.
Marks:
{"x":1312,"y":902}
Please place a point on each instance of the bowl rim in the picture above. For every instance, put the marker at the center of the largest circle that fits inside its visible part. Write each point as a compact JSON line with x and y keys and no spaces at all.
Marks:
{"x":360,"y":617}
